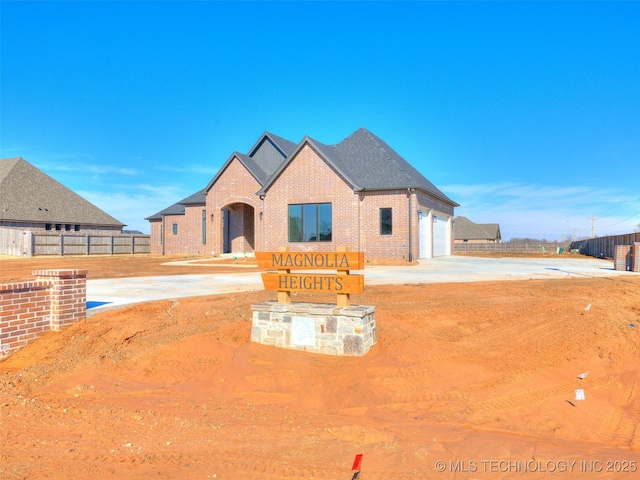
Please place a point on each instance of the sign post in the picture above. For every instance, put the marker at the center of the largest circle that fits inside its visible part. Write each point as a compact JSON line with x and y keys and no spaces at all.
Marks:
{"x":342,"y":283}
{"x":332,"y":329}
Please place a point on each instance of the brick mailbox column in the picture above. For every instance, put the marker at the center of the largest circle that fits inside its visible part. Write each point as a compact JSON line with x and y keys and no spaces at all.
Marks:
{"x":68,"y":295}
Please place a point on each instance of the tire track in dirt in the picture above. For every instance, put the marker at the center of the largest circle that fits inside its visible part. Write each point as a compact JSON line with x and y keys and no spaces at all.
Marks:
{"x":620,"y":425}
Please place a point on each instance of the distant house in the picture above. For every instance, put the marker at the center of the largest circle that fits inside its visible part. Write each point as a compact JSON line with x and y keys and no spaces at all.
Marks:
{"x":31,"y":200}
{"x":465,"y":231}
{"x":310,"y":196}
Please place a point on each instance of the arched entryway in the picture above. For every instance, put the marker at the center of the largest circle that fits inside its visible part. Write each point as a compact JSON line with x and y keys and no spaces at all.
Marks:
{"x":238,"y":228}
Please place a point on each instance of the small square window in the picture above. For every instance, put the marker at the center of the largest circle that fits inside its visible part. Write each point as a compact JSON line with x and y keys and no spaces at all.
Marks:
{"x":385,"y":221}
{"x":76,"y":228}
{"x":67,"y":227}
{"x":58,"y":226}
{"x":48,"y":226}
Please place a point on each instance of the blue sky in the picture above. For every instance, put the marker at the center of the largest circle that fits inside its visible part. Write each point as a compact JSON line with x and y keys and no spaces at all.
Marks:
{"x":526,"y":114}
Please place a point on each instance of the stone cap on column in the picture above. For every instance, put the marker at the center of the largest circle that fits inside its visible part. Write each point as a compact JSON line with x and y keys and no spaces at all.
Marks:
{"x":60,"y":273}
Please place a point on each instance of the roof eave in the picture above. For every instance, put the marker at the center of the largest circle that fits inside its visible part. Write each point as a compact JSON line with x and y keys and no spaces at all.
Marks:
{"x":225,"y":166}
{"x":440,"y":197}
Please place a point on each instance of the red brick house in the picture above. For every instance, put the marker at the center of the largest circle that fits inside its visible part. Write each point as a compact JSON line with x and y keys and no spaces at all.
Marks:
{"x":309,"y":196}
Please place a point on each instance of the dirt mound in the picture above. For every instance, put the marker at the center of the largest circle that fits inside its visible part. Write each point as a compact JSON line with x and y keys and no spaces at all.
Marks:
{"x":468,"y":374}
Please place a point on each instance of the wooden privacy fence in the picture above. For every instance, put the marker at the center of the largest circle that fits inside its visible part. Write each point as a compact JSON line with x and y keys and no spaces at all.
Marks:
{"x":529,"y":247}
{"x":15,"y":242}
{"x":605,"y":247}
{"x":63,"y":244}
{"x":29,"y":244}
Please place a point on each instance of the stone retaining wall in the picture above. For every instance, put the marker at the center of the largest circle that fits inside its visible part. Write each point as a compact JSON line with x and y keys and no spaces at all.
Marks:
{"x":316,"y":328}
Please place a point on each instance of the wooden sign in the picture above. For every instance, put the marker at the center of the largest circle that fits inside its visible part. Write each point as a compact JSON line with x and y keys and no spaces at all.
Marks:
{"x":285,"y":282}
{"x":311,"y":260}
{"x":309,"y":282}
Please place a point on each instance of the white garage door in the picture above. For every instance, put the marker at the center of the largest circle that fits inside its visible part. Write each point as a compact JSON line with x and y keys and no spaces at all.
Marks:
{"x":440,"y":239}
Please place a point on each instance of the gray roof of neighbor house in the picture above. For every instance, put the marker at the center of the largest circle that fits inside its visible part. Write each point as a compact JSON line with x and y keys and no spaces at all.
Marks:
{"x":367,"y":163}
{"x":178,"y":208}
{"x":465,"y":229}
{"x":493,"y":229}
{"x":30,"y":195}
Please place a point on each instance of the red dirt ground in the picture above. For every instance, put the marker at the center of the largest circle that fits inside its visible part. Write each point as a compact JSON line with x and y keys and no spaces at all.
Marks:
{"x":480,"y":376}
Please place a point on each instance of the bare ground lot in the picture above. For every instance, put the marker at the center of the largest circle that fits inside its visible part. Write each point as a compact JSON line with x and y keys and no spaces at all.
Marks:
{"x":482,"y":374}
{"x":107,"y":266}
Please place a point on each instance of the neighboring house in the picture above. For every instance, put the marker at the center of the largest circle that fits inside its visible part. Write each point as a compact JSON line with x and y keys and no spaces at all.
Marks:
{"x":359,"y":194}
{"x":31,"y":200}
{"x":465,"y":231}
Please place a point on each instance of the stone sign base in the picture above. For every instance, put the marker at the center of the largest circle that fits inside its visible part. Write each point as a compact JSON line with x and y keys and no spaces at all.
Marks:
{"x":314,"y":327}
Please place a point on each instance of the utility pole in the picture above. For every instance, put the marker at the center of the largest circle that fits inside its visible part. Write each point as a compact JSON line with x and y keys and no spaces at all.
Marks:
{"x":593,"y":226}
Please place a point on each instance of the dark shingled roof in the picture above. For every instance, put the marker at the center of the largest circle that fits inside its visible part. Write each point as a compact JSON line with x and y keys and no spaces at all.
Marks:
{"x":198,"y":198}
{"x":30,"y":195}
{"x":175,"y":209}
{"x":367,"y":163}
{"x":363,"y":160}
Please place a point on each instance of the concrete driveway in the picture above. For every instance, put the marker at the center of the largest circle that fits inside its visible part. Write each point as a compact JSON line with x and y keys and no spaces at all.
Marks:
{"x":111,"y":293}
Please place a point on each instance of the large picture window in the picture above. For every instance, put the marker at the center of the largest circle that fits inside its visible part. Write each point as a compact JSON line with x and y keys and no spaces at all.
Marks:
{"x":385,"y":222}
{"x":310,"y":222}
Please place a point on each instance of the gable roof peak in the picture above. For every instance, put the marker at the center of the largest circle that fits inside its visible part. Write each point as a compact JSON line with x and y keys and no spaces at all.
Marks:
{"x":366,"y":162}
{"x":285,"y":146}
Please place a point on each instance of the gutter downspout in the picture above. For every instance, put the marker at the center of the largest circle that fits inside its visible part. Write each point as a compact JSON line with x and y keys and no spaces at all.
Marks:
{"x":162,"y":234}
{"x":263,"y":240}
{"x":360,"y":199}
{"x":410,"y":233}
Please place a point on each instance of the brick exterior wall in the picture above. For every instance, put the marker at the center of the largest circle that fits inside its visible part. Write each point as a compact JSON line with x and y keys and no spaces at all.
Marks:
{"x":627,"y":257}
{"x":373,"y":243}
{"x":622,"y":257}
{"x":235,"y":189}
{"x":262,"y":224}
{"x":155,"y":229}
{"x":188,"y":240}
{"x":308,"y":179}
{"x":56,"y":298}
